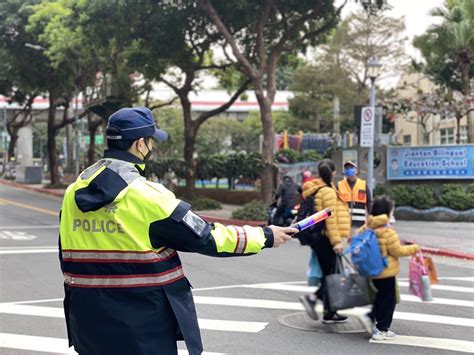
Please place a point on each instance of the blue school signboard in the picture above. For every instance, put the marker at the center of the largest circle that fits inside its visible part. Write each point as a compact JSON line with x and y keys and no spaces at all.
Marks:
{"x":434,"y":162}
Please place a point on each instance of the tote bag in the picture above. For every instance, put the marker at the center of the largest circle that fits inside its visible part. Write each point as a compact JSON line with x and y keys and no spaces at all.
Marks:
{"x":346,"y":291}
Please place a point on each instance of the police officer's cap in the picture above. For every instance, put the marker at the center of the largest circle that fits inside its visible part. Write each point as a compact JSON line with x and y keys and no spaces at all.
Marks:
{"x":132,"y":123}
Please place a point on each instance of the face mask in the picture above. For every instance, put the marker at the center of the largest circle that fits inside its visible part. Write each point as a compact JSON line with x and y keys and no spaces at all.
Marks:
{"x":392,"y":219}
{"x":147,"y":156}
{"x":349,"y":172}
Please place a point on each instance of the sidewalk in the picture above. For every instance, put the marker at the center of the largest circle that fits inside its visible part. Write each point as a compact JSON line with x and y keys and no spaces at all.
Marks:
{"x":452,"y":239}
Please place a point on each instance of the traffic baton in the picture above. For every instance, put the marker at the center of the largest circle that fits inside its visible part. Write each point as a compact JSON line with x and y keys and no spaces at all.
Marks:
{"x":312,"y":220}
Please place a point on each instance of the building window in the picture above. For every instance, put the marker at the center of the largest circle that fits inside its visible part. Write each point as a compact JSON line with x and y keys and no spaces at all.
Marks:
{"x":407,"y":139}
{"x":447,"y":136}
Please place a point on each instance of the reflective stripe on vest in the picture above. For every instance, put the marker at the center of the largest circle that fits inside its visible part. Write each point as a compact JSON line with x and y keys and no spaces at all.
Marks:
{"x":116,"y":256}
{"x":241,"y":240}
{"x":121,"y":281}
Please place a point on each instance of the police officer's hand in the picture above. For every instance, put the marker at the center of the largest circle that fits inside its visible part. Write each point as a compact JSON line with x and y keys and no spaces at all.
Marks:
{"x":282,"y":234}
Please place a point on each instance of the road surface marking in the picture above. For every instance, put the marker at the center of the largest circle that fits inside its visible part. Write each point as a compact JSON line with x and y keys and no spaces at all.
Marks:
{"x":443,"y":287}
{"x":28,"y":250}
{"x":50,"y":345}
{"x":209,"y":324}
{"x":30,"y":227}
{"x":283,"y":287}
{"x":435,"y":343}
{"x":465,"y":278}
{"x":438,"y":300}
{"x":231,"y":326}
{"x":12,"y":235}
{"x":37,"y":209}
{"x":247,"y":302}
{"x":35,"y":343}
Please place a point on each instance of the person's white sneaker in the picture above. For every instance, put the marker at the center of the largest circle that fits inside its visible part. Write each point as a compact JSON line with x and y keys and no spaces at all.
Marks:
{"x":377,"y":335}
{"x":389,"y":335}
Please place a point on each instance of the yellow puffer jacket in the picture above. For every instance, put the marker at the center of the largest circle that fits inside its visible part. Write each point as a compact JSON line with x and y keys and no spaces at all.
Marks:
{"x":338,"y":226}
{"x":389,"y":244}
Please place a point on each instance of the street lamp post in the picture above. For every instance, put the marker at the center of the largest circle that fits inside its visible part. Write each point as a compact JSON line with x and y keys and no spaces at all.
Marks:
{"x":373,"y":70}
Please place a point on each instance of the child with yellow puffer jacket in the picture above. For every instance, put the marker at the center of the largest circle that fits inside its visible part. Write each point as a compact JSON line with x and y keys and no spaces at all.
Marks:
{"x":381,"y":220}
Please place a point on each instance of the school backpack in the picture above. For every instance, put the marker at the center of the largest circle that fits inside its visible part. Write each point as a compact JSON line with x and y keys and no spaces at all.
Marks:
{"x":366,"y":255}
{"x":306,"y":209}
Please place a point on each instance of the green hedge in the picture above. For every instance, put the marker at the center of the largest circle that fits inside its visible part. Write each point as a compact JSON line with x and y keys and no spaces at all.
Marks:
{"x":456,"y":197}
{"x":252,"y":211}
{"x":205,"y":203}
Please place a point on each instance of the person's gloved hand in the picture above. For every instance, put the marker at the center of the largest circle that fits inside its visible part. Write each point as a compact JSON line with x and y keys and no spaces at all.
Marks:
{"x":282,"y":234}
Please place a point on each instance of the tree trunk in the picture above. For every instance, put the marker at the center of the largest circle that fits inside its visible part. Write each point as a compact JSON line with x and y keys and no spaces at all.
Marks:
{"x":458,"y":128}
{"x":466,"y":88}
{"x":51,"y":142}
{"x":318,"y":121}
{"x":268,"y":145}
{"x":189,"y":142}
{"x":12,"y":143}
{"x":93,"y":126}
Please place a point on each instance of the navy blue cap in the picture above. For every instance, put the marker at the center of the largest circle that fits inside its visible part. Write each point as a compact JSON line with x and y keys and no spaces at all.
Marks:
{"x":132,"y":123}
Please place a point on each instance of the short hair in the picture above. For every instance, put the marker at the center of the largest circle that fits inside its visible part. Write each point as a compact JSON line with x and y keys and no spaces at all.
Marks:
{"x":382,"y":205}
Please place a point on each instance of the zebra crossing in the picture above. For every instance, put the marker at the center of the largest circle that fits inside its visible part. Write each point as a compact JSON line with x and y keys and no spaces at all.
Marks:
{"x":241,"y":313}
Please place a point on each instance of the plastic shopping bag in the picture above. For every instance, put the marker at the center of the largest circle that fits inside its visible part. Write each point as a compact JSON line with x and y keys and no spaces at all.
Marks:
{"x":314,"y":273}
{"x":419,"y":285}
{"x":431,"y":270}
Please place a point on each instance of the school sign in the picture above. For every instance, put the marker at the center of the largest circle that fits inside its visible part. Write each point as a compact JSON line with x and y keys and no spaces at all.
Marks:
{"x":434,"y":162}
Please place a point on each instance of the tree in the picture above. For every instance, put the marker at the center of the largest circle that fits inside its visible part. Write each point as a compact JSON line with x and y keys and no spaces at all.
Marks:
{"x":315,"y":88}
{"x":259,"y":34}
{"x":363,"y":35}
{"x":448,"y":50}
{"x":18,"y":81}
{"x":184,"y":55}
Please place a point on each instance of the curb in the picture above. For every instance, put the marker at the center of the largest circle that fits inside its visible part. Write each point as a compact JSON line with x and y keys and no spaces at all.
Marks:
{"x":237,"y":222}
{"x":42,"y":190}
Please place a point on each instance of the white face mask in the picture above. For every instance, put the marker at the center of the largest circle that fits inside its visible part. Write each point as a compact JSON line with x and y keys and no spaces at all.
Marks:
{"x":392,"y":219}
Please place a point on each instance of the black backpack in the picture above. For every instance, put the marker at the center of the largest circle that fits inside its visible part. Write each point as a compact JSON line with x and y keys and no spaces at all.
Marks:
{"x":307,"y":208}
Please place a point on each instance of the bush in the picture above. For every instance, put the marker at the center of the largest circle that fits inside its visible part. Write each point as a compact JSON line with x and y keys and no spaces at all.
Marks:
{"x":402,"y":195}
{"x":423,"y":197}
{"x":455,"y":197}
{"x":379,"y":191}
{"x":470,"y":189}
{"x":252,"y":211}
{"x":205,"y":203}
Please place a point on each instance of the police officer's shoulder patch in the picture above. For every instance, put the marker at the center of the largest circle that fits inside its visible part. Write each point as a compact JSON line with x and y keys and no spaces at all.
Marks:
{"x":195,"y":223}
{"x":183,"y":214}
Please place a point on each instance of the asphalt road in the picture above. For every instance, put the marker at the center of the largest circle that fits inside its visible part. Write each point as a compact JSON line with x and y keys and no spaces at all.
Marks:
{"x":239,"y":300}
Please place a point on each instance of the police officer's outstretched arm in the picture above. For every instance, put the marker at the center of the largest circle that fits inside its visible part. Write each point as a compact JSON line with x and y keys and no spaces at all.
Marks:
{"x":185,"y":231}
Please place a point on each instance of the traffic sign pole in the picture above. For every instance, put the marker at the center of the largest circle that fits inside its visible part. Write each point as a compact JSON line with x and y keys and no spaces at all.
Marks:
{"x":370,"y":165}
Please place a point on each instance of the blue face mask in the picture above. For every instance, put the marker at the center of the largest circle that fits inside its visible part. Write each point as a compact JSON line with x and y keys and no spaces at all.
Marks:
{"x":350,"y":172}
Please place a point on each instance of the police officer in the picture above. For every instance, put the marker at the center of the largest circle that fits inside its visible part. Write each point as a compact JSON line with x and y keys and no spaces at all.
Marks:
{"x":354,"y":191}
{"x":125,"y":288}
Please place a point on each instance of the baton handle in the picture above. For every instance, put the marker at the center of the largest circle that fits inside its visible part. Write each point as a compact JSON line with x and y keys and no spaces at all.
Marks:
{"x":312,"y":220}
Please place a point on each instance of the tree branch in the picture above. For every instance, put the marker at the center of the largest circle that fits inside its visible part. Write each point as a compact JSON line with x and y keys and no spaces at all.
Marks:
{"x":205,"y":115}
{"x":170,"y":102}
{"x":172,"y":86}
{"x":206,"y":5}
{"x":260,"y":36}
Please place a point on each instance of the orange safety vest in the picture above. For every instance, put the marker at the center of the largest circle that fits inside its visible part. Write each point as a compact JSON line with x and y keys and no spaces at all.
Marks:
{"x":356,"y":198}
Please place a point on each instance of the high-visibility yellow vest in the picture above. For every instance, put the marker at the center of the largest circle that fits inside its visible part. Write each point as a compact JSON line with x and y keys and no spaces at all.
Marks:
{"x":117,"y":234}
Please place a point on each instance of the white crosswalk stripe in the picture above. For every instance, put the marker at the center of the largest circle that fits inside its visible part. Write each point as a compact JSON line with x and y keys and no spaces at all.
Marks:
{"x":277,"y":298}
